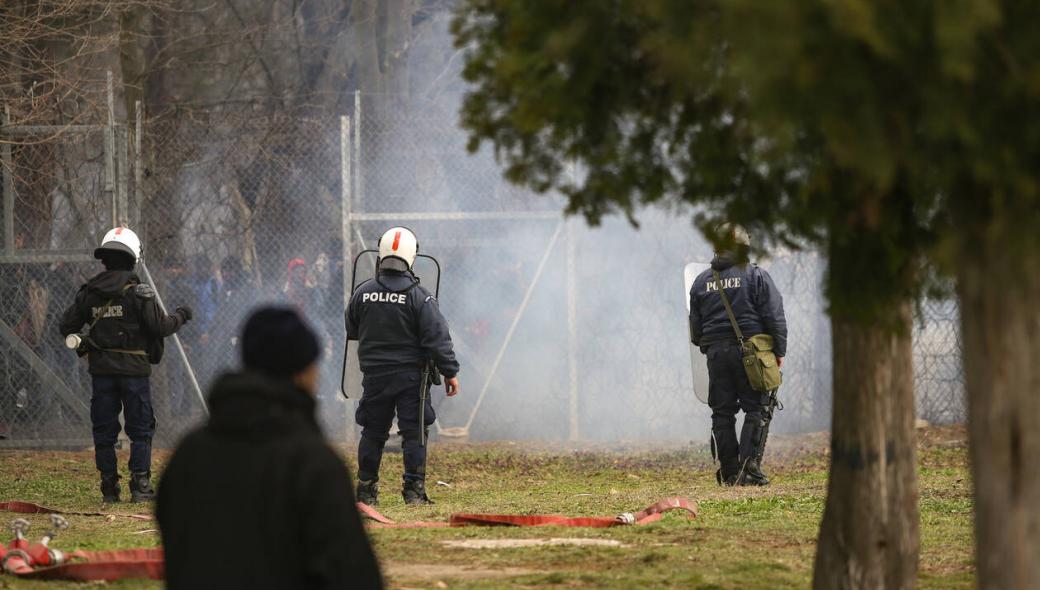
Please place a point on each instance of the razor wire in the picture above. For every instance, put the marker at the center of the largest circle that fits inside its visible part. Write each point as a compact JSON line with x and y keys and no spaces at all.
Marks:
{"x":561,"y":334}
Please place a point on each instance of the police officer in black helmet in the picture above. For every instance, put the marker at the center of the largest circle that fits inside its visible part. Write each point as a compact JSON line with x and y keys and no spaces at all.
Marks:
{"x":399,"y":329}
{"x":758,"y":309}
{"x":116,"y":323}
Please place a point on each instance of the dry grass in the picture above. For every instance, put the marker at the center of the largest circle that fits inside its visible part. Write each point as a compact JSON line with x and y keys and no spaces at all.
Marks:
{"x":744,"y":538}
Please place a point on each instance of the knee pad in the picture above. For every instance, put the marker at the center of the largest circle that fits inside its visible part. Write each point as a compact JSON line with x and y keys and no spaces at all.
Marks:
{"x":723,"y":422}
{"x":412,"y":435}
{"x":755,"y":418}
{"x":375,"y":437}
{"x":107,"y":437}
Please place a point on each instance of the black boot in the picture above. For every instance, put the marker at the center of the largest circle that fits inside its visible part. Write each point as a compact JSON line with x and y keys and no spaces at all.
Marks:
{"x":110,"y":487}
{"x":368,"y":492}
{"x":724,"y":450}
{"x":141,"y":487}
{"x":751,"y":474}
{"x":752,"y":447}
{"x":414,"y":493}
{"x":728,"y":472}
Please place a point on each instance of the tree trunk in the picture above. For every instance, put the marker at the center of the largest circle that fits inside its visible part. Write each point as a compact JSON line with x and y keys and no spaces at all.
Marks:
{"x":869,"y":535}
{"x":1000,"y":330}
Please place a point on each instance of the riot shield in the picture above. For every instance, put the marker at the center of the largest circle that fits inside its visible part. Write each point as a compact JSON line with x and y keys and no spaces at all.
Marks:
{"x":698,"y":361}
{"x":426,"y":269}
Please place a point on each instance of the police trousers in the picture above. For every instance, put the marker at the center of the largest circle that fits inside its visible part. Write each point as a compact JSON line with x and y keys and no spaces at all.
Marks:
{"x":728,"y":392}
{"x":382,"y":397}
{"x":132,"y":396}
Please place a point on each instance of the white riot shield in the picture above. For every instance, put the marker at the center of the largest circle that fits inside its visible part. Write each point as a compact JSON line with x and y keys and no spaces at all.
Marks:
{"x":426,"y":269}
{"x":698,"y":361}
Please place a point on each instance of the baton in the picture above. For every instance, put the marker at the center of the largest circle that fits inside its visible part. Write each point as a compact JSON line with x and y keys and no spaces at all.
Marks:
{"x":424,"y":388}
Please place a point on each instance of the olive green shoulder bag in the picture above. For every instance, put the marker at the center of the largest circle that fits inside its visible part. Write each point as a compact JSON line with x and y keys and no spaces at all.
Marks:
{"x":757,"y":351}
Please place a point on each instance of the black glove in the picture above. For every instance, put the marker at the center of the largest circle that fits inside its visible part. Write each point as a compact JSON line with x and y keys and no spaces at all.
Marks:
{"x":185,"y":313}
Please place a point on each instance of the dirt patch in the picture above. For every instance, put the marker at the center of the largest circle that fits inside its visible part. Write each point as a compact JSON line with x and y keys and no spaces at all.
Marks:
{"x":955,"y":435}
{"x":436,"y":571}
{"x":513,"y":543}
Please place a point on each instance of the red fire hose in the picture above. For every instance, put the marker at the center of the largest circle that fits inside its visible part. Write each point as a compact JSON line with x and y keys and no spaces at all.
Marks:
{"x":37,"y":561}
{"x":30,"y":508}
{"x":649,"y":514}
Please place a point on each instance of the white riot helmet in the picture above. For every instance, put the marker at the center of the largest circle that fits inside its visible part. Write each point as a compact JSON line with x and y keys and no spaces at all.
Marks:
{"x":120,"y":239}
{"x":398,"y":243}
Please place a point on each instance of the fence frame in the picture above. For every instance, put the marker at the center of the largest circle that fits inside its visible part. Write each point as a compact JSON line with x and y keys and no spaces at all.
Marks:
{"x":353,"y":211}
{"x":116,"y":190}
{"x":123,"y":163}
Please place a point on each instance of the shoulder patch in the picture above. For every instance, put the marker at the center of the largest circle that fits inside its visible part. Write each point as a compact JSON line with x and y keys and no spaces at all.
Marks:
{"x":144,"y":291}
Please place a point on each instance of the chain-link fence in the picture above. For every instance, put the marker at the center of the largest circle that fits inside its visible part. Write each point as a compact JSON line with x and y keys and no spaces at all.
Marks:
{"x":56,"y":188}
{"x":563,"y":331}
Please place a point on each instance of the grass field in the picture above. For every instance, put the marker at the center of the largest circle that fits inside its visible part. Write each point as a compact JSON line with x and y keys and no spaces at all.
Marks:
{"x":744,"y":538}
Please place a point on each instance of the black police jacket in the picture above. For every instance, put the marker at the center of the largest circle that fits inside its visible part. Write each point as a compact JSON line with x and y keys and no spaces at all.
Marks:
{"x":128,"y":324}
{"x":257,"y":499}
{"x":757,"y":305}
{"x":398,"y":326}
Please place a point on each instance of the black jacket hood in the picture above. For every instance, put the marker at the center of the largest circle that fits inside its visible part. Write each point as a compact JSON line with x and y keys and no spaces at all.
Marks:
{"x":110,"y":283}
{"x":724,"y":260}
{"x":397,"y":281}
{"x":257,"y":407}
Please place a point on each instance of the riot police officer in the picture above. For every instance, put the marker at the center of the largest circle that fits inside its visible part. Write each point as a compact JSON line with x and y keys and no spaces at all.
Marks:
{"x":400,"y":332}
{"x":116,"y":322}
{"x":758,"y":309}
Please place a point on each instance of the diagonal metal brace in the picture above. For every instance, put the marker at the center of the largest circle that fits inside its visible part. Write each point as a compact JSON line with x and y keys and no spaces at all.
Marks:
{"x":49,"y":379}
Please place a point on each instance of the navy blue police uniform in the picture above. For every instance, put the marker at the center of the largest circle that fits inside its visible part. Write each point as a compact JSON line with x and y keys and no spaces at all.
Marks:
{"x":128,"y":323}
{"x":399,"y":328}
{"x":759,"y":309}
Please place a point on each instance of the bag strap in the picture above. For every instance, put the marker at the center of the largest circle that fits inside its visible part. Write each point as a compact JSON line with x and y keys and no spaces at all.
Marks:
{"x":108,"y":305}
{"x":729,"y":308}
{"x":101,"y":313}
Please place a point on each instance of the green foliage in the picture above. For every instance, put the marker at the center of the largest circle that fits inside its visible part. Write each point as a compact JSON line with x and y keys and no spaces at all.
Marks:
{"x":631,"y":90}
{"x":982,"y":126}
{"x":848,"y":125}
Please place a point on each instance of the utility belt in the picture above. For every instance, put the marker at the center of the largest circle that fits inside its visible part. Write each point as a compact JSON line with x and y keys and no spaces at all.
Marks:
{"x":722,"y":341}
{"x":428,"y":369}
{"x":87,"y":346}
{"x":123,"y":351}
{"x":395,"y":369}
{"x":84,"y":344}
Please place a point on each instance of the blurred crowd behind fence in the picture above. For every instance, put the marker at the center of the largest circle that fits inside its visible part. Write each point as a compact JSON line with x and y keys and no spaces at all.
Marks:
{"x":563,"y":331}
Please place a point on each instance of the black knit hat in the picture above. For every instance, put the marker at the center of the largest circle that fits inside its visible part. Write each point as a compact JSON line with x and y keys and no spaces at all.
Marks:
{"x":276,"y":341}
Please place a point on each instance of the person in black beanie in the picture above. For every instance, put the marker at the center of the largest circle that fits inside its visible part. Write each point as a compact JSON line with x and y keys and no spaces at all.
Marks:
{"x":256,"y":498}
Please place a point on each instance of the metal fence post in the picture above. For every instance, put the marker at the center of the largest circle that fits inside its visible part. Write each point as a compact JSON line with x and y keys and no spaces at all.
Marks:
{"x":572,"y":331}
{"x":357,"y":148}
{"x":138,"y":169}
{"x":345,"y":197}
{"x":345,"y":202}
{"x":122,"y":176}
{"x":110,"y":149}
{"x":8,"y":172}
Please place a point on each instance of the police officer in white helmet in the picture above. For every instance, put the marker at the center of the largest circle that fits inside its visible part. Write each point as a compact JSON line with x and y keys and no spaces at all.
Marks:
{"x":116,"y":323}
{"x":399,"y":329}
